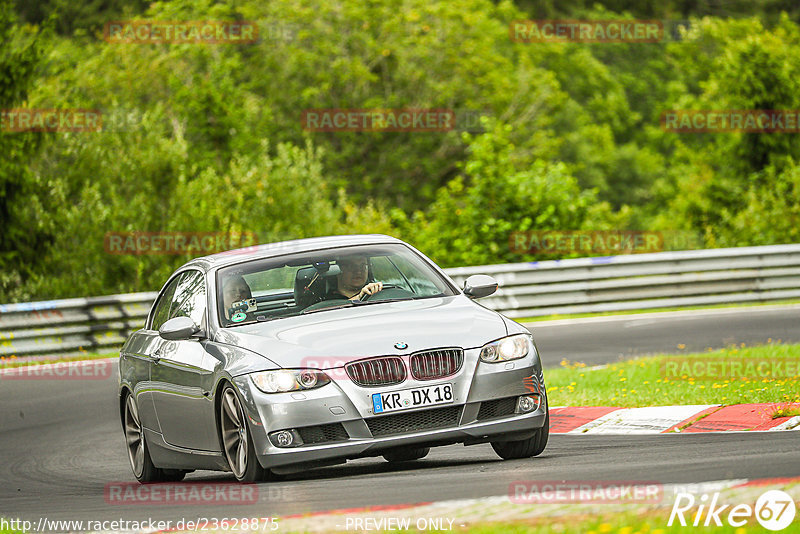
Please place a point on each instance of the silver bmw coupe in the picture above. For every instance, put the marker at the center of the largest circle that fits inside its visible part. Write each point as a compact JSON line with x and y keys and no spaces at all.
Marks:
{"x":306,"y":353}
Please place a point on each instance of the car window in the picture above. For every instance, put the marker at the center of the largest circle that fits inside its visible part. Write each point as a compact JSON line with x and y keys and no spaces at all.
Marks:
{"x":290,"y":285}
{"x":415,"y":276}
{"x":384,"y":270}
{"x":189,"y":299}
{"x":161,"y":309}
{"x":271,"y":282}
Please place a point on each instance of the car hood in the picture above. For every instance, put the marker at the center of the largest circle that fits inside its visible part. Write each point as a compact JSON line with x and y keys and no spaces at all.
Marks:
{"x":329,"y":338}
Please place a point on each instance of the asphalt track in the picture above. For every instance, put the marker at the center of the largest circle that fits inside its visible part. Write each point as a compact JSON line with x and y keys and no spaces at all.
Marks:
{"x":61,"y":441}
{"x":600,"y":340}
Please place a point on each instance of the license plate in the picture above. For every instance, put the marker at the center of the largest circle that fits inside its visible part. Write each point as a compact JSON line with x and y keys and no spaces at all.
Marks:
{"x":412,"y":398}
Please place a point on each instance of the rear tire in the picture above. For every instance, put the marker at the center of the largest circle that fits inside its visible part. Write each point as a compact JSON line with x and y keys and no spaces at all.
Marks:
{"x":406,"y":455}
{"x":237,"y":444}
{"x":525,"y":448}
{"x":138,"y":451}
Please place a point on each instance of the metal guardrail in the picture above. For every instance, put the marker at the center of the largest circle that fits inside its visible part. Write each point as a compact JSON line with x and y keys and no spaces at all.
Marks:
{"x":643,"y":281}
{"x":71,"y":326}
{"x":582,"y":285}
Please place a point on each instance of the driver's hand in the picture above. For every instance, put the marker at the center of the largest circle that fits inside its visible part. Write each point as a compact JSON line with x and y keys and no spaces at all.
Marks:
{"x":370,"y":289}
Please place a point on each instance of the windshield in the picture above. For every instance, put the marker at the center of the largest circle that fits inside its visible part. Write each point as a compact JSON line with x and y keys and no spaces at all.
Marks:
{"x":274,"y":288}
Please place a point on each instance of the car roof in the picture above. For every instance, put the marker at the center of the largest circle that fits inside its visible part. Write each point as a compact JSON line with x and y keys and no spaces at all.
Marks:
{"x":270,"y":250}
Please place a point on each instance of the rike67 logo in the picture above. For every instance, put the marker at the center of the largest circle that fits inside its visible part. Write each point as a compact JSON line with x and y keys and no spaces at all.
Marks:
{"x":774,"y":510}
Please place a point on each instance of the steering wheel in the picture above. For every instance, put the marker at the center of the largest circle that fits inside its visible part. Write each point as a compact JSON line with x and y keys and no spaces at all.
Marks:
{"x":385,"y":287}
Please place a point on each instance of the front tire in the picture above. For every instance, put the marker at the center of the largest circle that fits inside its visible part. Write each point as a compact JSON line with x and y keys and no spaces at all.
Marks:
{"x":524,"y":448}
{"x":236,"y":440}
{"x":406,"y":455}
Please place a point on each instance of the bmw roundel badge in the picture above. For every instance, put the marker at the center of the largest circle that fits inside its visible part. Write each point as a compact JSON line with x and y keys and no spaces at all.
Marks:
{"x":400,"y":345}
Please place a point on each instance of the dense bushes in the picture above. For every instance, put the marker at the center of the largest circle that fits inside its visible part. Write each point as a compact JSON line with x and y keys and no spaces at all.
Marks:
{"x":209,"y":137}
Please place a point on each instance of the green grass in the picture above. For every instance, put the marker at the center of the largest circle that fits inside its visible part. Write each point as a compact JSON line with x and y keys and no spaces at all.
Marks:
{"x":653,"y":310}
{"x":14,"y":362}
{"x":642,"y":382}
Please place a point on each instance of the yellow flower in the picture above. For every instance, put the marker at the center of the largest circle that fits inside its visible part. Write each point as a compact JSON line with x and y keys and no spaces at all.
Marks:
{"x":604,"y":527}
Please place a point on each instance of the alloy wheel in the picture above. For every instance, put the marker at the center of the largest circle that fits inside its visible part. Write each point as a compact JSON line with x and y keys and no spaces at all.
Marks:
{"x":133,"y":437}
{"x":234,"y":432}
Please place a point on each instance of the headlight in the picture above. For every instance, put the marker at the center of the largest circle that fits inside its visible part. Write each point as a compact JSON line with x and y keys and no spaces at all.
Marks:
{"x":285,"y":380}
{"x":509,"y":348}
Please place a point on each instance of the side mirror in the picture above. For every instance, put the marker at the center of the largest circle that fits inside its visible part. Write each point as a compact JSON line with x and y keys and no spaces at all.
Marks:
{"x":178,"y":328}
{"x":479,"y":285}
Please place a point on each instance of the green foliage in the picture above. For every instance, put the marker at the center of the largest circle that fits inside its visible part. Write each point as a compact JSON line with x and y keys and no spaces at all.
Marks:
{"x":472,"y":218}
{"x":203,"y":137}
{"x":70,"y":15}
{"x":20,"y":238}
{"x":716,"y":178}
{"x":771,"y":212}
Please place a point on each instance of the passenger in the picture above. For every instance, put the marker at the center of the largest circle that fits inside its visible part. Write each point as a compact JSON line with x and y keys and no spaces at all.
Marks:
{"x":234,"y":289}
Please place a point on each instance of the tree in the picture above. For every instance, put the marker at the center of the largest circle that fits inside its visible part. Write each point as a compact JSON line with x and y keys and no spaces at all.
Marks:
{"x":20,"y":236}
{"x":500,"y":192}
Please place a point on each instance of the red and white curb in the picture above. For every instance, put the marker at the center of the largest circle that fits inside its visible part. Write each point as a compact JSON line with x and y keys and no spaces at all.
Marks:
{"x":665,"y":419}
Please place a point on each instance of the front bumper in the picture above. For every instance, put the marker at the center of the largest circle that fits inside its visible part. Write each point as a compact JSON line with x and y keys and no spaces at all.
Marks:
{"x":339,"y":415}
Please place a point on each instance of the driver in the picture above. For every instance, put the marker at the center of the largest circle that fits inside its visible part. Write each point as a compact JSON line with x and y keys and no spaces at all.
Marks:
{"x":351,"y":283}
{"x":234,"y":289}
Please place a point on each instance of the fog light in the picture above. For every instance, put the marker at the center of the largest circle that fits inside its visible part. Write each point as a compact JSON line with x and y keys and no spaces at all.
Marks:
{"x":528,"y":404}
{"x":282,"y":438}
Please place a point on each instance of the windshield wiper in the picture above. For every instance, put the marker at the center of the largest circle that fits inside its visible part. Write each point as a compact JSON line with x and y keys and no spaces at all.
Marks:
{"x":255,"y":321}
{"x":326,"y":308}
{"x":381,"y":301}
